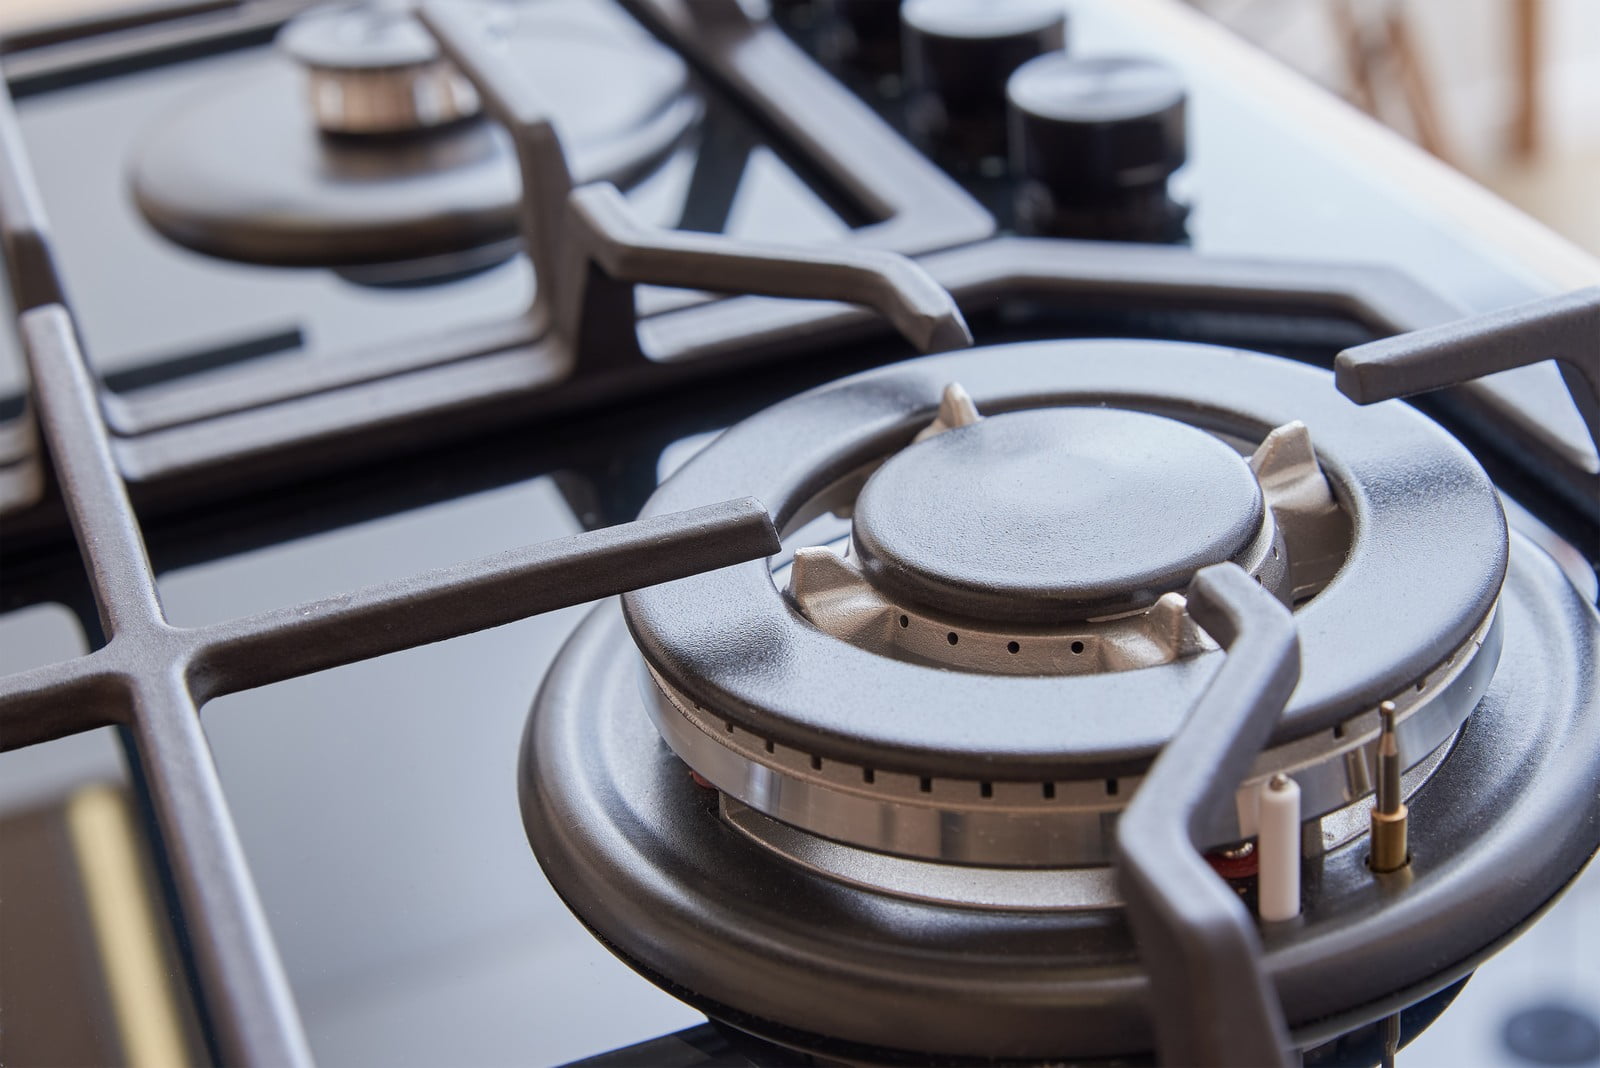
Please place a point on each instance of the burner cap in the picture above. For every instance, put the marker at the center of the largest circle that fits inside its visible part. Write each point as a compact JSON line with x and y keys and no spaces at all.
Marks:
{"x":1055,"y":514}
{"x":374,"y":69}
{"x":364,"y":36}
{"x":245,"y":173}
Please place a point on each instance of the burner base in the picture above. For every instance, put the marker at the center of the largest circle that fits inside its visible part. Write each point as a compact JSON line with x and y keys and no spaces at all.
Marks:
{"x":642,"y":855}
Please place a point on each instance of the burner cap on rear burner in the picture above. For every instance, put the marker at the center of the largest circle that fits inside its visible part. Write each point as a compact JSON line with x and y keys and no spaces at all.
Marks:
{"x":361,"y":35}
{"x":1055,"y":514}
{"x":374,"y":69}
{"x":245,"y":173}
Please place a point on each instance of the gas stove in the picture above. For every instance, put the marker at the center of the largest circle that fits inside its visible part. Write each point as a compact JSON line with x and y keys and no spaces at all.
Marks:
{"x":927,"y":484}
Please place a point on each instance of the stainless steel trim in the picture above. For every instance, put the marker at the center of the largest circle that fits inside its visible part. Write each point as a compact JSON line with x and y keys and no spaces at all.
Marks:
{"x":389,"y":100}
{"x":1036,"y":824}
{"x":1009,"y":889}
{"x":1024,"y":889}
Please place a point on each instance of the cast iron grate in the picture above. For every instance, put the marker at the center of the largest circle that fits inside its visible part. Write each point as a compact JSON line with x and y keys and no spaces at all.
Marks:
{"x":152,"y":677}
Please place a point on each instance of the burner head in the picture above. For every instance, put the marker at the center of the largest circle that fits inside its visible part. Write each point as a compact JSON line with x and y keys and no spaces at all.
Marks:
{"x":857,"y":706}
{"x":1054,"y":515}
{"x":374,"y":69}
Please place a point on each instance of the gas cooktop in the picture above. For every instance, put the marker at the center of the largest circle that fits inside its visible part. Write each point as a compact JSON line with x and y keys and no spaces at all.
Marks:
{"x":1024,"y":623}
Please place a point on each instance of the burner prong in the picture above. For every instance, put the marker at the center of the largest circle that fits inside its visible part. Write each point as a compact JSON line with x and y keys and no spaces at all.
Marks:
{"x":1296,"y":488}
{"x":1286,"y":462}
{"x":1390,"y":850}
{"x":1172,"y":626}
{"x":956,"y":408}
{"x":818,"y":570}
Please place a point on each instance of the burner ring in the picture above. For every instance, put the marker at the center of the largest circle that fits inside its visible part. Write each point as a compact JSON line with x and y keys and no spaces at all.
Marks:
{"x":1051,"y":889}
{"x":1054,"y":514}
{"x":1053,"y":824}
{"x":1424,"y":568}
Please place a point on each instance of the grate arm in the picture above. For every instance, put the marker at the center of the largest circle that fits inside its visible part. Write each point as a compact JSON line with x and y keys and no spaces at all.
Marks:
{"x":466,"y":39}
{"x":1212,"y":1002}
{"x":25,"y":245}
{"x":609,"y":250}
{"x":67,"y":401}
{"x":246,"y":997}
{"x":249,"y":1007}
{"x":500,"y":589}
{"x":54,"y":700}
{"x":1564,"y":328}
{"x":588,"y":250}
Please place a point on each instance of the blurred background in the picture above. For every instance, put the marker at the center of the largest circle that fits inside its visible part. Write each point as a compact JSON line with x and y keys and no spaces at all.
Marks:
{"x":1507,"y":91}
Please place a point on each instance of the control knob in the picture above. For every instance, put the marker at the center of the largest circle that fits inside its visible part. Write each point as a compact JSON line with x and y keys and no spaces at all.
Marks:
{"x":1093,"y":142}
{"x":958,"y":55}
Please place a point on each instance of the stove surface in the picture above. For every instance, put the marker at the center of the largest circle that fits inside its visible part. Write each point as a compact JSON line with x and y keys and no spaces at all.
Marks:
{"x":376,"y":801}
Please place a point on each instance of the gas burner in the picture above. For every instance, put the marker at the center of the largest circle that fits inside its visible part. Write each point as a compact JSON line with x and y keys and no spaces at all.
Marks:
{"x":978,"y":552}
{"x":1393,"y":473}
{"x":361,"y":145}
{"x":914,"y":732}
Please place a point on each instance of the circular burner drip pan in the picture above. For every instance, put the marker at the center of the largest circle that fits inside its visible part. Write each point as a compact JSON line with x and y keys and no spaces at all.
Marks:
{"x":755,"y":897}
{"x":245,"y":173}
{"x":646,"y":859}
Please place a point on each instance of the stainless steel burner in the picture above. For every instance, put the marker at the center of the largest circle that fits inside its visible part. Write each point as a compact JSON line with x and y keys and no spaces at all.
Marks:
{"x":1048,"y":822}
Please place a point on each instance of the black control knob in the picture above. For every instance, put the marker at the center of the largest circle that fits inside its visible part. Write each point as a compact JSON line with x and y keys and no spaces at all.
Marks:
{"x":861,"y":36}
{"x":1093,"y":142}
{"x":958,"y":55}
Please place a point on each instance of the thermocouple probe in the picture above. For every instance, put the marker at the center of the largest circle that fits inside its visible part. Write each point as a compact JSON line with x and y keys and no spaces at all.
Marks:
{"x":1390,"y":851}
